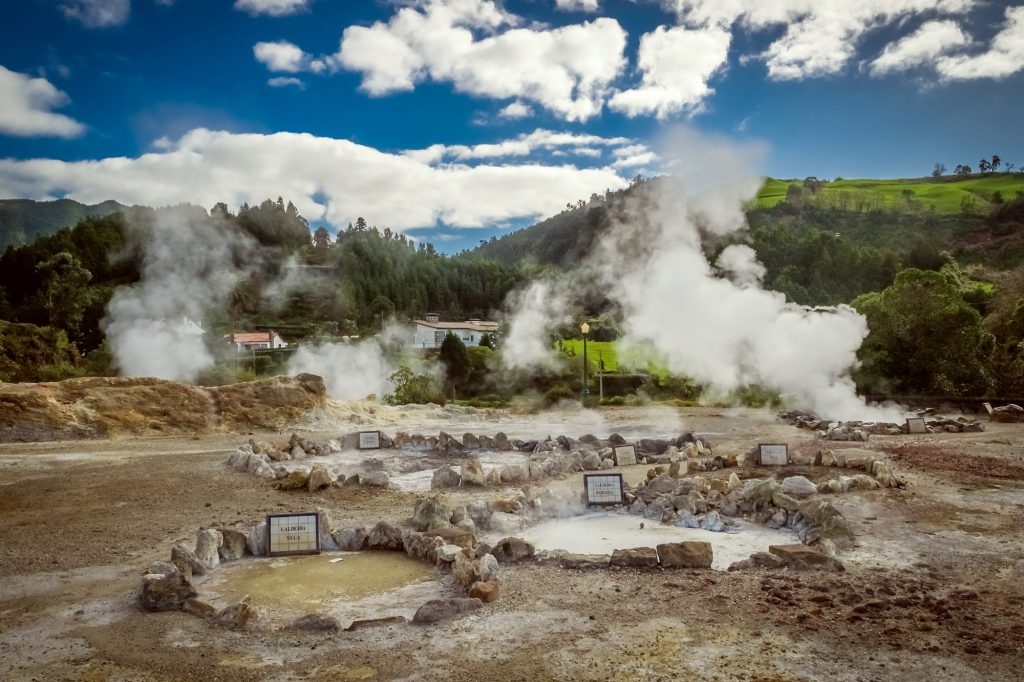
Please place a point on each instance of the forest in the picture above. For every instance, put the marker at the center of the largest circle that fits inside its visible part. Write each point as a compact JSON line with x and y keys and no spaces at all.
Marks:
{"x":943,"y":292}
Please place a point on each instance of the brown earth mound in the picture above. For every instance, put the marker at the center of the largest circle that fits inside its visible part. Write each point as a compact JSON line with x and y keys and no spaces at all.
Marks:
{"x":102,"y":407}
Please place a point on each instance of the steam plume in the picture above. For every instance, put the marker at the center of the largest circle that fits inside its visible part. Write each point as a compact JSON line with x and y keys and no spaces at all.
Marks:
{"x":189,"y":265}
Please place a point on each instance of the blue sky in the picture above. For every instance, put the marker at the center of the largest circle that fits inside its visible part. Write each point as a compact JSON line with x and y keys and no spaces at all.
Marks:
{"x":380,"y":108}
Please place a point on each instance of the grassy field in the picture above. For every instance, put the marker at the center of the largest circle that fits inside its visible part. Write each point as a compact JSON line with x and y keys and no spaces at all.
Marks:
{"x":617,"y":358}
{"x":946,"y":195}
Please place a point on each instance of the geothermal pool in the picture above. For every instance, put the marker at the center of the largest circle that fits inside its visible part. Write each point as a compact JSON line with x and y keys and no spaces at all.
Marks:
{"x":361,"y":585}
{"x":603,"y":533}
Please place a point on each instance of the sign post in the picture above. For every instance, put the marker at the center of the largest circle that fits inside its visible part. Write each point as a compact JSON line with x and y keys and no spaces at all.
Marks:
{"x":604,"y":488}
{"x":773,"y":454}
{"x":916,"y":425}
{"x":293,"y":534}
{"x":625,"y":455}
{"x":369,"y":440}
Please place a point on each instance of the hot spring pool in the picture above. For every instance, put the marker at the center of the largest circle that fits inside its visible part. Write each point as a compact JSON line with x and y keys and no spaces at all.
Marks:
{"x":362,"y":585}
{"x":603,"y":533}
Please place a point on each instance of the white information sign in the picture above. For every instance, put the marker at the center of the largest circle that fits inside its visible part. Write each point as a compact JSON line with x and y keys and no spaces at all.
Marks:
{"x":625,"y":455}
{"x":773,"y":454}
{"x":293,"y":534}
{"x":988,"y":407}
{"x":603,"y":488}
{"x":369,"y":440}
{"x":916,"y":425}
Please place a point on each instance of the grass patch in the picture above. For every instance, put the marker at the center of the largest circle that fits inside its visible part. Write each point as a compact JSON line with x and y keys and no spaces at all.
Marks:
{"x":942,"y":195}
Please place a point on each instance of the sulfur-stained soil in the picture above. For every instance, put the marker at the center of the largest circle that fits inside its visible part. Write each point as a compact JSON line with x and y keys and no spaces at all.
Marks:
{"x":933,"y":589}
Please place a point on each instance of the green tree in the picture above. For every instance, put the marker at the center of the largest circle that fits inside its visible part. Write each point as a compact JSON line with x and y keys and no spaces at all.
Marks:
{"x":413,"y":388}
{"x":65,"y":293}
{"x":487,"y":341}
{"x":455,"y":358}
{"x":924,"y":338}
{"x":321,"y":238}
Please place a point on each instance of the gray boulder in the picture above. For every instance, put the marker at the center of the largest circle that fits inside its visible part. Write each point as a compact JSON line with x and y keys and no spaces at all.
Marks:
{"x":256,"y":539}
{"x":234,"y":544}
{"x":798,"y":486}
{"x":441,"y":609}
{"x":384,"y":536}
{"x":445,"y":477}
{"x":208,"y":544}
{"x":511,"y":550}
{"x":472,"y":472}
{"x":430,"y":514}
{"x":350,"y":539}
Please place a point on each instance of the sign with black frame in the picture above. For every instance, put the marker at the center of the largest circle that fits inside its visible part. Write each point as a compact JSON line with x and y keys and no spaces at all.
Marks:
{"x":604,"y":488}
{"x":773,"y":454}
{"x":297,"y":533}
{"x":988,"y":407}
{"x":625,"y":455}
{"x":916,"y":425}
{"x":369,"y":440}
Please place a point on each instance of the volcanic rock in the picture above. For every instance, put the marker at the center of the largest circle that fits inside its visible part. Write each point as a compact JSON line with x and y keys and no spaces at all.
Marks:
{"x":637,"y":557}
{"x":485,"y":591}
{"x":802,"y":557}
{"x":688,"y":554}
{"x":441,"y":609}
{"x":445,"y":477}
{"x":208,"y":544}
{"x":316,"y":622}
{"x":234,"y":542}
{"x":430,"y":514}
{"x":511,"y":550}
{"x":319,"y":478}
{"x":472,"y":472}
{"x":384,"y":536}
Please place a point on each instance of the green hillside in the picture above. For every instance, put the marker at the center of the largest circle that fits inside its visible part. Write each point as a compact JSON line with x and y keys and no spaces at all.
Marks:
{"x":22,"y":221}
{"x":946,"y":194}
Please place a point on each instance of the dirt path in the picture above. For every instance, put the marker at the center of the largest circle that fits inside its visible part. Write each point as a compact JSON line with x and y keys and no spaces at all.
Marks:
{"x":933,"y":591}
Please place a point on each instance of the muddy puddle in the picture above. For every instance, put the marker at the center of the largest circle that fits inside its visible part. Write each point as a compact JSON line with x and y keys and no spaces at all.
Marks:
{"x":347,"y":585}
{"x":603,"y":533}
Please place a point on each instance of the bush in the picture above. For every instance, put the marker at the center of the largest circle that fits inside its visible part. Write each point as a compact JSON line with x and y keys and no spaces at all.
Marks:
{"x":223,"y":375}
{"x":559,"y":392}
{"x":32,"y":353}
{"x":418,"y":389}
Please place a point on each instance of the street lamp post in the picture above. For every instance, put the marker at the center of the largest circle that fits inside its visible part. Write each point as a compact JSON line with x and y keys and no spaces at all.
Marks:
{"x":585,"y":329}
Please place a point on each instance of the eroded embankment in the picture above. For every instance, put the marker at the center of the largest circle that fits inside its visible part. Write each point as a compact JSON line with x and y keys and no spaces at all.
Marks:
{"x":104,"y":407}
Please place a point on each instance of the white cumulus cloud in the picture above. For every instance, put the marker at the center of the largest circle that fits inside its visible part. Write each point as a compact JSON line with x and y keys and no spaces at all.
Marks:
{"x":523,"y":144}
{"x":284,"y":57}
{"x":272,"y":8}
{"x":285,"y":81}
{"x":1004,"y":57}
{"x":820,"y":36}
{"x":676,"y":64}
{"x":578,"y":5}
{"x":567,"y":69}
{"x":97,"y":13}
{"x":329,"y":179}
{"x":921,"y":47}
{"x":26,"y":109}
{"x":516,"y":110}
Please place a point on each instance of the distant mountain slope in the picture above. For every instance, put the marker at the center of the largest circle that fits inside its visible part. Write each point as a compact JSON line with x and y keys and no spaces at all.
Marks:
{"x":946,"y":194}
{"x":22,"y":221}
{"x":963,"y":216}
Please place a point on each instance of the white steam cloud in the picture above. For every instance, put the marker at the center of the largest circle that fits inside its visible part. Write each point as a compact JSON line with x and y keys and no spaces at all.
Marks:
{"x":188,"y":267}
{"x":353,"y":371}
{"x":535,"y":310}
{"x":723,"y":331}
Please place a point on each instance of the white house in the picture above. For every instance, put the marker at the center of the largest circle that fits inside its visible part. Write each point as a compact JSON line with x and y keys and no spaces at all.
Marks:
{"x":430,"y":332}
{"x":256,"y":340}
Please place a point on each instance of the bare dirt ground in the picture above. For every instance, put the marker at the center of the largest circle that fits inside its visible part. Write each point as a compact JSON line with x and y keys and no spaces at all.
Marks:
{"x":933,"y":590}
